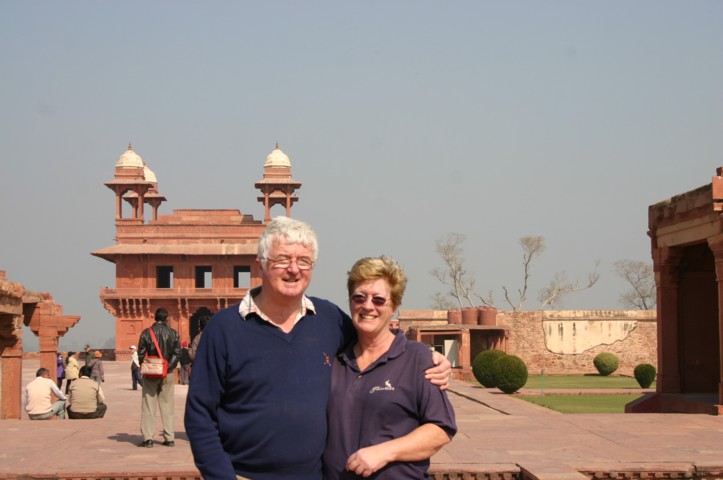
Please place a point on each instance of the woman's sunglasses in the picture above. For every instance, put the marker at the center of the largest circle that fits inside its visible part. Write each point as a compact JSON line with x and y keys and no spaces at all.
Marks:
{"x":360,"y":299}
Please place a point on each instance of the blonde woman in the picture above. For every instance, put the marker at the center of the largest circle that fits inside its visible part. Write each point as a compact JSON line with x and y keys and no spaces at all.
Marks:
{"x":385,"y":419}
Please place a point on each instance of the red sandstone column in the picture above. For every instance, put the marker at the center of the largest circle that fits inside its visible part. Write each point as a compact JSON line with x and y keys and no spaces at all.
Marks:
{"x":267,"y":208}
{"x":665,"y":265}
{"x":48,"y":345}
{"x":716,"y":245}
{"x":118,"y":206}
{"x":12,"y":374}
{"x":464,"y":352}
{"x":141,"y":200}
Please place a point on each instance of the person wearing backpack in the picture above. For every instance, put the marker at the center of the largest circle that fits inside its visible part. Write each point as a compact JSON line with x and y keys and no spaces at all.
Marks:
{"x":158,"y":340}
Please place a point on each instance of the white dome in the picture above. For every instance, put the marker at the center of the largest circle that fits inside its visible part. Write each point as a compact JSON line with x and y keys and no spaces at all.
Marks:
{"x":277,"y":158}
{"x":148,"y":174}
{"x":129,"y":159}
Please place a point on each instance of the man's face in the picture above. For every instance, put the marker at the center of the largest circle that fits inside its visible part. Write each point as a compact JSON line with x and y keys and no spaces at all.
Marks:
{"x":288,"y":280}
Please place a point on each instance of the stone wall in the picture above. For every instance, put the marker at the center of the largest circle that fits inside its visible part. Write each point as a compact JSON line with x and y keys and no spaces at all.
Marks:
{"x":566,"y":342}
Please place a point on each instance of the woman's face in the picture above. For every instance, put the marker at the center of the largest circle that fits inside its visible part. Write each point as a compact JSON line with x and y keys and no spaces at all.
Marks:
{"x":371,"y":307}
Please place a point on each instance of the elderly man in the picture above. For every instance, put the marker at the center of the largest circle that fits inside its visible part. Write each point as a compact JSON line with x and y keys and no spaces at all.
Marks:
{"x":86,"y":399}
{"x":256,"y":407}
{"x":38,"y":402}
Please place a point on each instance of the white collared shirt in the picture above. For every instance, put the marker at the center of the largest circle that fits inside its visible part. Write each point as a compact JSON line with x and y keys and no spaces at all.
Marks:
{"x":248,"y":306}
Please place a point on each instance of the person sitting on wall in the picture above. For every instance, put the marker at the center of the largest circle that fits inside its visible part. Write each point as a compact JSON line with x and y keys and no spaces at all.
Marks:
{"x":38,"y":402}
{"x":86,"y":399}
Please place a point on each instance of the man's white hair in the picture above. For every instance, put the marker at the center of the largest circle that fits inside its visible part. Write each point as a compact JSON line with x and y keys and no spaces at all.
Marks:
{"x":289,"y":230}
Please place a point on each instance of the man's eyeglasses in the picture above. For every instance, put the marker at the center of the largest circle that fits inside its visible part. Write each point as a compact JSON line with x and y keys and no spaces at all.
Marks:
{"x":282,"y":263}
{"x":360,"y":299}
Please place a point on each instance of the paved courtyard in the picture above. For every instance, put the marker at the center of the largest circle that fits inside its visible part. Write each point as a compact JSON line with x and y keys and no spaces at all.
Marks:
{"x":499,"y":437}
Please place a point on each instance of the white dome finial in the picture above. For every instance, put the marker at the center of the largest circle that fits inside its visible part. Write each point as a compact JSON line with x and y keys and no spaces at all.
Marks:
{"x":277,"y":158}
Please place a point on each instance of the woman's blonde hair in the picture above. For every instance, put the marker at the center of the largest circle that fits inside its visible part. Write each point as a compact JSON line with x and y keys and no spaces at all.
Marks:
{"x":373,"y":268}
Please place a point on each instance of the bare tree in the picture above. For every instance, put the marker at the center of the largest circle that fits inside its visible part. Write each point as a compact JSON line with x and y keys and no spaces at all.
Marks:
{"x":441,"y":301}
{"x":462,"y":286}
{"x":640,"y":276}
{"x":532,"y":247}
{"x":559,"y":287}
{"x":487,"y":301}
{"x":454,"y":275}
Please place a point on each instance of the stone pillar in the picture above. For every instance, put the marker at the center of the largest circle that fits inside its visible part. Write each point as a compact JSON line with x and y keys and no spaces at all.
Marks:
{"x":11,"y":348}
{"x":118,"y":205}
{"x":465,"y":350}
{"x":11,"y":366}
{"x":716,"y":246}
{"x":665,"y":264}
{"x":48,"y":323}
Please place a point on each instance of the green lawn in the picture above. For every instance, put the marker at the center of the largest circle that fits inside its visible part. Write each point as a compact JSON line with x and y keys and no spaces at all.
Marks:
{"x":538,"y":382}
{"x":583,"y":403}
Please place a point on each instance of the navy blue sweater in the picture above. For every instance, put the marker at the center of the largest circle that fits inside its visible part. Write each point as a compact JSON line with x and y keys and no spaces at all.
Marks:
{"x":257,"y":401}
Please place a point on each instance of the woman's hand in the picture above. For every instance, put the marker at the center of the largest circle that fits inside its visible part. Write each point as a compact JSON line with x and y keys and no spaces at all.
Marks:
{"x":366,"y":461}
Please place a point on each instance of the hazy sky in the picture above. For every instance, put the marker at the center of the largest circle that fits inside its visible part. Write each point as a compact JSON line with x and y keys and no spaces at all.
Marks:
{"x":404,"y":120}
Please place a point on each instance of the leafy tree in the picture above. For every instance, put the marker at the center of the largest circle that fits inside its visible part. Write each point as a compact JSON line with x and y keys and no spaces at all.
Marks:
{"x":641,"y":278}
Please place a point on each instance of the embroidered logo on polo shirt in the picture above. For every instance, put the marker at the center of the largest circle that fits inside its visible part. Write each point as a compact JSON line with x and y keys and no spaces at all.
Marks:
{"x":327,"y":360}
{"x":386,"y":388}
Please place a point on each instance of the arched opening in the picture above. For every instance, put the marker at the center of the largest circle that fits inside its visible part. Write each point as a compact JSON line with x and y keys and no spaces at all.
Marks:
{"x":698,"y":327}
{"x":195,"y":323}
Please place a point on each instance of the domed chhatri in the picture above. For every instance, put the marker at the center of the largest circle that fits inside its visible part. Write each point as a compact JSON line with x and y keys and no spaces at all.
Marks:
{"x":129,"y":159}
{"x":277,"y":158}
{"x":148,"y":174}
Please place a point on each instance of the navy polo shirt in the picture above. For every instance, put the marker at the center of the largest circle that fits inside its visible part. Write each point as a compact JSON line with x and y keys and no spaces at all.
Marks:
{"x":386,"y":401}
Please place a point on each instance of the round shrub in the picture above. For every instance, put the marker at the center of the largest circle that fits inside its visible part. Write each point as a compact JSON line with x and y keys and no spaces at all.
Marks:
{"x":606,"y":363}
{"x":510,"y":373}
{"x":483,"y":367}
{"x":644,"y":374}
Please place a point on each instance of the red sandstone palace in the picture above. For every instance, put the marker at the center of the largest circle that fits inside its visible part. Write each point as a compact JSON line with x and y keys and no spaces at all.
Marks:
{"x":191,"y":262}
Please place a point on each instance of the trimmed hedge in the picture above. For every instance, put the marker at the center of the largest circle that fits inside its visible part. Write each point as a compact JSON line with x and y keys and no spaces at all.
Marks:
{"x":606,"y":363}
{"x":483,"y":367}
{"x":644,"y":374}
{"x":510,"y":373}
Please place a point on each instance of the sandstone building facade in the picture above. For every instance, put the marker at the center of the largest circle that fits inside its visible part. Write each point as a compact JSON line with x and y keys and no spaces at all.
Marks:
{"x":191,"y":262}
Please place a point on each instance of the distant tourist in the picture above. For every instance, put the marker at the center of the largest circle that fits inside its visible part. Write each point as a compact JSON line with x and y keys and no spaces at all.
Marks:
{"x":96,"y":366}
{"x":59,"y":369}
{"x":135,"y":368}
{"x":38,"y":397}
{"x":86,"y":399}
{"x":158,"y":392}
{"x":185,"y":372}
{"x":194,"y":344}
{"x":88,"y":354}
{"x":71,"y":370}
